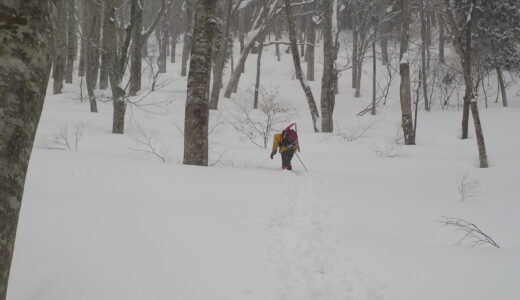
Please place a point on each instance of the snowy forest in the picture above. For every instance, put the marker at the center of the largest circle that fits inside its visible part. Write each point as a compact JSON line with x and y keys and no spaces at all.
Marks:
{"x":259,"y":149}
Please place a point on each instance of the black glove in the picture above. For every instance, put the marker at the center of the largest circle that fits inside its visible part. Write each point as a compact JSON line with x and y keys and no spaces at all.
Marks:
{"x":272,"y":154}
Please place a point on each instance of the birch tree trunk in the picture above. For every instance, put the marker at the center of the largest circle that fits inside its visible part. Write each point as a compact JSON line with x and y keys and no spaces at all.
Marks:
{"x":298,"y":68}
{"x":24,"y":74}
{"x":196,"y":116}
{"x":327,"y":80}
{"x":404,"y":70}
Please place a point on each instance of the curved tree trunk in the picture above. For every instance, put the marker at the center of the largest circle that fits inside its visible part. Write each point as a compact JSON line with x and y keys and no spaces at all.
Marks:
{"x":221,"y":59}
{"x":24,"y":83}
{"x":298,"y":68}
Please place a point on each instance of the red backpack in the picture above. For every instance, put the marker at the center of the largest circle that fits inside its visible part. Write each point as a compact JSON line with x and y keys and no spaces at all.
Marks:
{"x":289,"y":137}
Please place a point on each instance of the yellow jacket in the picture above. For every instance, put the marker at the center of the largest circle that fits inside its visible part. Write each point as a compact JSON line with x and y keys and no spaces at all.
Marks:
{"x":277,"y":139}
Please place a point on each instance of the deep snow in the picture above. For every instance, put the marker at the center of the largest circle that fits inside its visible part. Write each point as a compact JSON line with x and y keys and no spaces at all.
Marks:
{"x":110,"y":222}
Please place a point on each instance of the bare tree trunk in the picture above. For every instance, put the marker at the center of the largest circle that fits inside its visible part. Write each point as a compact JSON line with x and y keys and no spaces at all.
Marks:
{"x":136,"y":53}
{"x":93,"y":24}
{"x":384,"y":45}
{"x":103,"y":70}
{"x":24,"y":25}
{"x":163,"y":43}
{"x":441,"y":40}
{"x":196,"y":116}
{"x":424,"y":44}
{"x":327,"y":80}
{"x":355,"y":41}
{"x":72,"y":40}
{"x":311,"y":41}
{"x":190,"y":11}
{"x":374,"y":74}
{"x":258,"y":73}
{"x":221,"y":59}
{"x":60,"y":53}
{"x":462,"y":38}
{"x":278,"y":37}
{"x":297,"y":66}
{"x":404,"y":70}
{"x":502,"y":86}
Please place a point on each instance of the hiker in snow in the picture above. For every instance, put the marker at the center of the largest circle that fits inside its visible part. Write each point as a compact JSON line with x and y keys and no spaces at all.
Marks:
{"x":287,"y":141}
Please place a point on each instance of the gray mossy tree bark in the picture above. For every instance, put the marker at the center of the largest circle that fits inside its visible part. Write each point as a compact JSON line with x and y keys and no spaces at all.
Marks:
{"x":221,"y":58}
{"x":462,"y":35}
{"x":404,"y":70}
{"x":297,"y":65}
{"x":24,"y":74}
{"x":327,"y":80}
{"x":60,"y":47}
{"x":196,"y":116}
{"x":92,"y":53}
{"x":190,"y":11}
{"x":502,"y":86}
{"x":72,"y":40}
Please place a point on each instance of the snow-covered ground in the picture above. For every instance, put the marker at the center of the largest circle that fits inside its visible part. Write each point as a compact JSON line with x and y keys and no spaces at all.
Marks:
{"x":110,"y":221}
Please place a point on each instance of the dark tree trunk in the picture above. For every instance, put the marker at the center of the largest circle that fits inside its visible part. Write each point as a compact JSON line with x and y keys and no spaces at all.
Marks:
{"x":355,"y":42}
{"x":164,"y":42}
{"x":374,"y":75}
{"x":327,"y":80}
{"x":72,"y":41}
{"x":441,"y":40}
{"x":24,"y":74}
{"x":60,"y":53}
{"x":196,"y":116}
{"x":103,"y":69}
{"x":404,"y":70}
{"x":424,"y":45}
{"x":258,"y":73}
{"x":93,"y":25}
{"x":278,"y":37}
{"x":297,"y":66}
{"x":136,"y":52}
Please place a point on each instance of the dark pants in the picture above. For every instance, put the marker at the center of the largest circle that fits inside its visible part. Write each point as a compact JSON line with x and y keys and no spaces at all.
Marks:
{"x":287,"y":155}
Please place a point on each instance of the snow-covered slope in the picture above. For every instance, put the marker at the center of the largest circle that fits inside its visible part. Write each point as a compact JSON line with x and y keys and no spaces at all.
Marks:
{"x":110,"y":221}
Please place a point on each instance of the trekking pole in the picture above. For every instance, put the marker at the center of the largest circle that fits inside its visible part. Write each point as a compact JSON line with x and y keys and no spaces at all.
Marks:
{"x":301,"y":162}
